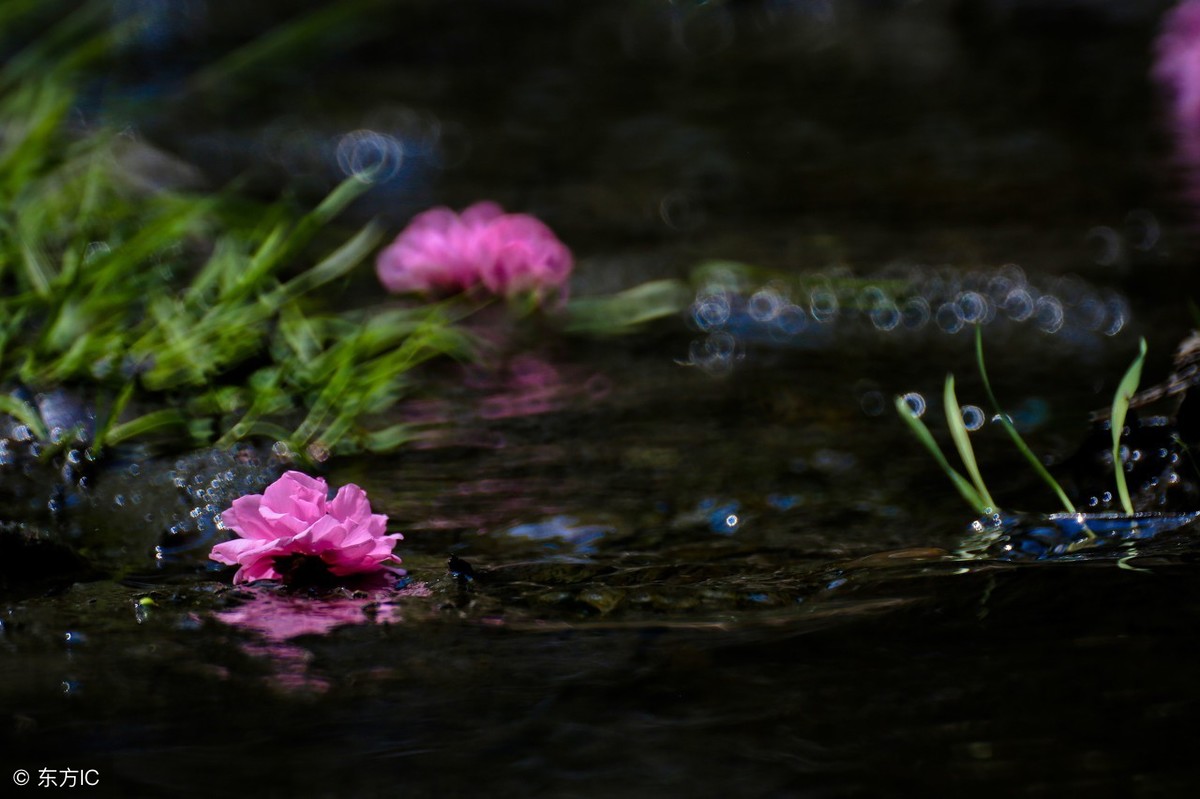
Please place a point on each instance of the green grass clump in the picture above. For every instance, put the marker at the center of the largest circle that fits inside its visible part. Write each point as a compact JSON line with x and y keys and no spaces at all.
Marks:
{"x":197,"y":309}
{"x":974,"y":491}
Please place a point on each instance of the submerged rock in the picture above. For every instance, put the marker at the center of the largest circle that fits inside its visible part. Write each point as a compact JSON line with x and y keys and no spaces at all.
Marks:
{"x":29,"y":554}
{"x":130,"y":507}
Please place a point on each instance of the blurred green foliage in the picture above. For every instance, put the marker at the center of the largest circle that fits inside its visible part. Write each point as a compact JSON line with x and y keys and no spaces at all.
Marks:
{"x":197,"y":309}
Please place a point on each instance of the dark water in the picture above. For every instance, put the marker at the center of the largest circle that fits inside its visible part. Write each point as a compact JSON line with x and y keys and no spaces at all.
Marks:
{"x":708,"y":559}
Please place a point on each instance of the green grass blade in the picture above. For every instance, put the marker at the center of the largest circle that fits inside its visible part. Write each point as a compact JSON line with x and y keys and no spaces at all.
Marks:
{"x":109,"y":420}
{"x":388,"y":439}
{"x":962,"y":442}
{"x":923,"y":435}
{"x":1120,"y":408}
{"x":1009,"y":428}
{"x":626,"y":311}
{"x":336,"y":264}
{"x":290,"y":40}
{"x":25,"y":413}
{"x":155,"y":420}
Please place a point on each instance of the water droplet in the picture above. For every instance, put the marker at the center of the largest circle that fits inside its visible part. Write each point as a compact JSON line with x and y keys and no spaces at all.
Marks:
{"x":916,"y":403}
{"x":973,"y":417}
{"x":370,"y":156}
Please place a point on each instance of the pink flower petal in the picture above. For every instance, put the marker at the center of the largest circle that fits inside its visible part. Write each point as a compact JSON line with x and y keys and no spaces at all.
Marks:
{"x":245,"y":518}
{"x":350,"y":504}
{"x":293,"y":518}
{"x":296,"y":495}
{"x":441,"y":252}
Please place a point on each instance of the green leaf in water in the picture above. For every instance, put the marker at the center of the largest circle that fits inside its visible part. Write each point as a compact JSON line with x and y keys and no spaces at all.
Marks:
{"x":24,"y":413}
{"x":962,"y":442}
{"x":923,"y":435}
{"x":1011,"y":429}
{"x":1120,"y":409}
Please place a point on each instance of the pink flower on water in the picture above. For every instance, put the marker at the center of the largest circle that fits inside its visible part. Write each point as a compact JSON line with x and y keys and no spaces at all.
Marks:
{"x":523,"y":255}
{"x":442,"y":252}
{"x":293,"y":531}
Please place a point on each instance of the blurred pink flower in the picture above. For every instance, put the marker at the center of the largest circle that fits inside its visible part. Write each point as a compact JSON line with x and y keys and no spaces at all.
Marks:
{"x":292,"y":530}
{"x":442,"y":252}
{"x":523,"y":256}
{"x":1177,"y":69}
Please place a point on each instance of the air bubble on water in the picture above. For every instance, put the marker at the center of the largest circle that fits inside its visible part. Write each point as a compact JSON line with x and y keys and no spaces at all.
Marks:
{"x":916,"y":403}
{"x":973,"y":308}
{"x":1049,"y":313}
{"x":916,"y":313}
{"x":885,"y":316}
{"x":1118,"y":314}
{"x":1108,"y":243}
{"x":1146,"y":224}
{"x":1019,"y":305}
{"x":949,"y":317}
{"x":791,"y":320}
{"x":823,"y":304}
{"x":973,"y":417}
{"x":711,"y":310}
{"x":370,"y":156}
{"x":765,"y":304}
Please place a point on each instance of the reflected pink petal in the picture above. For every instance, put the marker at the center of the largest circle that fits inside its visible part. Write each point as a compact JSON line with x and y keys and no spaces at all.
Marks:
{"x":276,"y":617}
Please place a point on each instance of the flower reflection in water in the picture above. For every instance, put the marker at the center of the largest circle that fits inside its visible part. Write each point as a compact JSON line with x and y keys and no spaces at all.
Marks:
{"x":523,"y":386}
{"x":277,"y":617}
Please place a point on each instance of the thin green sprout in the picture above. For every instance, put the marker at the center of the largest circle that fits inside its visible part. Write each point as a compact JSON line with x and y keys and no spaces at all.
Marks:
{"x":962,"y":442}
{"x":1120,"y":408}
{"x":1011,"y":429}
{"x":968,"y":492}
